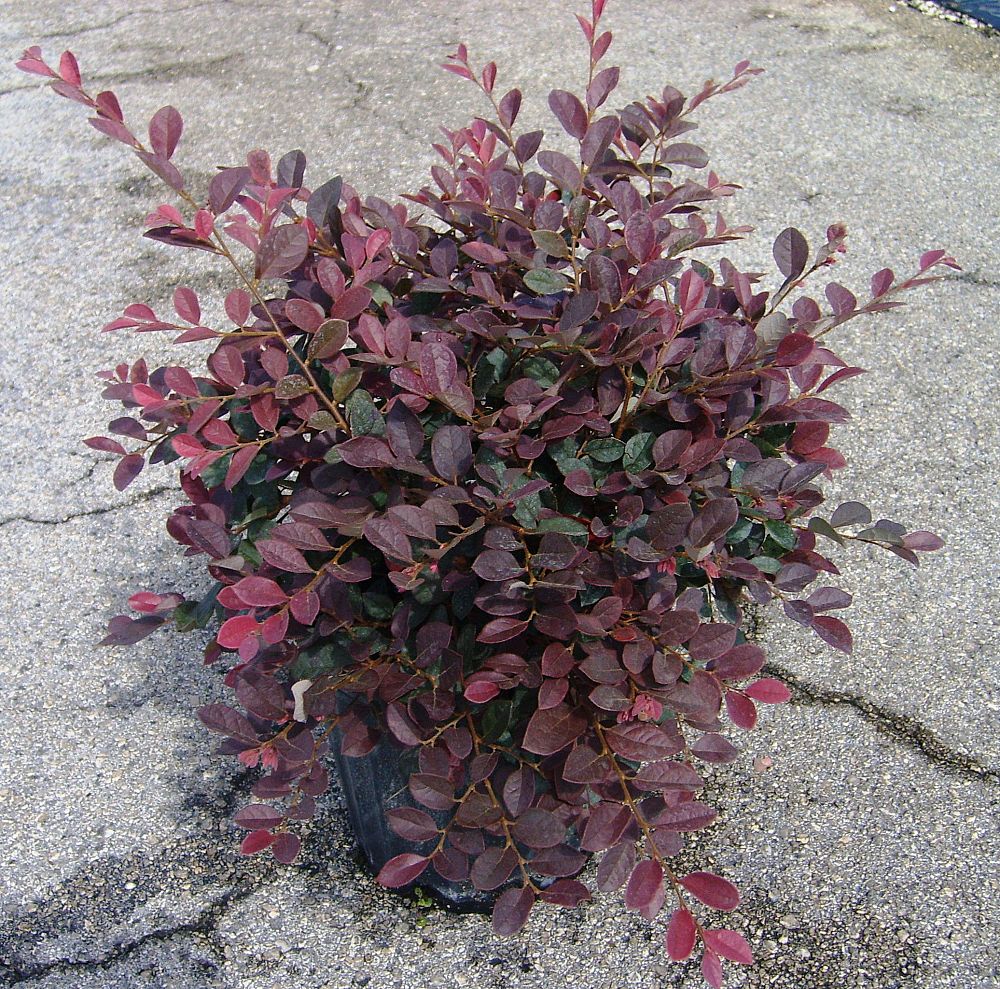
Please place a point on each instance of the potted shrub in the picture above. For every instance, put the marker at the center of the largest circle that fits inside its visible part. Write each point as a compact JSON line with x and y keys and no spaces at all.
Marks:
{"x":485,"y":489}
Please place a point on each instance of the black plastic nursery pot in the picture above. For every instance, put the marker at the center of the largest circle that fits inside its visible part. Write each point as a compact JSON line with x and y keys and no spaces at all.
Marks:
{"x":375,"y":783}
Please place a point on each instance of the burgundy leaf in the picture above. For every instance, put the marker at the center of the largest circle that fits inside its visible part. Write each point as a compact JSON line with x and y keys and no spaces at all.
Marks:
{"x":690,"y":816}
{"x":285,"y":847}
{"x":106,"y":444}
{"x":585,"y":765}
{"x":451,"y":453}
{"x":165,"y":131}
{"x":259,"y":592}
{"x":669,"y":775}
{"x":258,"y":816}
{"x":552,"y":730}
{"x":519,"y":791}
{"x":227,"y":365}
{"x":282,"y":250}
{"x":616,"y":866}
{"x":438,"y":367}
{"x":566,"y":893}
{"x":401,"y":726}
{"x":603,"y":84}
{"x":742,"y":710}
{"x":225,"y":721}
{"x":684,"y":154}
{"x":352,"y":303}
{"x":256,"y":841}
{"x":124,"y":631}
{"x":712,"y":890}
{"x":481,"y":691}
{"x":501,"y":630}
{"x":493,"y":867}
{"x":538,"y":828}
{"x":283,"y":556}
{"x":412,"y":824}
{"x":729,"y":944}
{"x":570,"y":112}
{"x":485,"y":253}
{"x":366,"y":452}
{"x":435,"y":792}
{"x":680,"y":936}
{"x":791,"y":252}
{"x":740,"y":663}
{"x":833,"y":631}
{"x":768,"y":691}
{"x":645,"y":892}
{"x":511,"y":911}
{"x":128,"y":470}
{"x":497,"y":564}
{"x":711,"y":969}
{"x":402,"y":870}
{"x":714,"y":748}
{"x":559,"y":861}
{"x":387,"y":536}
{"x":922,"y":542}
{"x":640,"y":236}
{"x":235,"y":630}
{"x":225,"y":186}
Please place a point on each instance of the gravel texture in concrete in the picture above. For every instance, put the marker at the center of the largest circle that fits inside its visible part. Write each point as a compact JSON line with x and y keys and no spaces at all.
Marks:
{"x":867,"y":851}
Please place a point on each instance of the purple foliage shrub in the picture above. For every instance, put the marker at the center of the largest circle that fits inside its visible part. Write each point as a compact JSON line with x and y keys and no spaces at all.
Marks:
{"x":498,"y":486}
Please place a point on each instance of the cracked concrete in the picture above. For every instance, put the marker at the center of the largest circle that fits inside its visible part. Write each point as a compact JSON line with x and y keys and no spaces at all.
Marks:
{"x":864,"y":851}
{"x":886,"y":722}
{"x":101,"y":510}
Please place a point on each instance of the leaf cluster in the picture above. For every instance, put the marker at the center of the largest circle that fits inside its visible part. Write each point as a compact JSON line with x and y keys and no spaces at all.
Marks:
{"x":495,"y":483}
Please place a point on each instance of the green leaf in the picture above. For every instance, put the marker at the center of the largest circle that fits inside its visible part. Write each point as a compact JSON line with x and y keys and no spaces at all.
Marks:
{"x":577,"y":531}
{"x":362,"y":415}
{"x":542,"y":370}
{"x":313,"y":663}
{"x":258,"y":469}
{"x":249,"y":552}
{"x":215,"y":473}
{"x":545,"y":281}
{"x":606,"y":450}
{"x":739,"y":532}
{"x":322,"y":420}
{"x":781,"y":532}
{"x":766,"y":563}
{"x":496,"y":719}
{"x":550,"y":242}
{"x":462,"y":602}
{"x":291,"y":386}
{"x":491,"y":371}
{"x":824,"y":528}
{"x":380,"y":294}
{"x":379,"y":606}
{"x":329,"y":339}
{"x":526,"y":510}
{"x":344,"y":384}
{"x":570,"y":464}
{"x":189,"y":615}
{"x":639,"y":452}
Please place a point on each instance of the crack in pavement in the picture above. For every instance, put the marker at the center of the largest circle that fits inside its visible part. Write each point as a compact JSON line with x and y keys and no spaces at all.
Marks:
{"x":206,"y":923}
{"x":901,"y":727}
{"x":973,"y":278}
{"x":65,"y":912}
{"x":196,"y":69}
{"x":75,"y":31}
{"x":102,"y":510}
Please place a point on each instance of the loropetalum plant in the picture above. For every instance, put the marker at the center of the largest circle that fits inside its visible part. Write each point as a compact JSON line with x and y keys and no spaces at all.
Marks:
{"x":499,"y":485}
